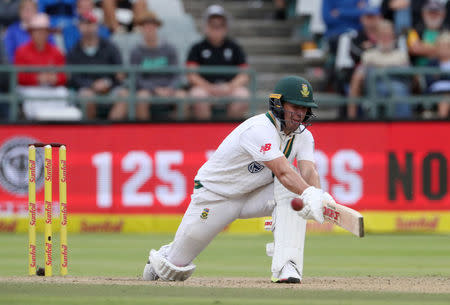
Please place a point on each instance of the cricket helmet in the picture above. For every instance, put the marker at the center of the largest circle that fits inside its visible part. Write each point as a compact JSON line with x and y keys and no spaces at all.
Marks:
{"x":295,"y":90}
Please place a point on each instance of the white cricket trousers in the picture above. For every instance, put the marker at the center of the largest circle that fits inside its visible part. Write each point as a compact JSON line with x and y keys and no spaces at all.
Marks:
{"x":208,"y":214}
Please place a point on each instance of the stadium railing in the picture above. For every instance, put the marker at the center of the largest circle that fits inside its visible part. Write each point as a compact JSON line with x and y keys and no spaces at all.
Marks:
{"x":14,"y":98}
{"x":370,"y":101}
{"x":425,"y":99}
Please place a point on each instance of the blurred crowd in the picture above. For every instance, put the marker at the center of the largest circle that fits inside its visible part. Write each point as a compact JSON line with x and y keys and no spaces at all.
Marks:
{"x":357,"y":36}
{"x":362,"y":35}
{"x":80,"y":32}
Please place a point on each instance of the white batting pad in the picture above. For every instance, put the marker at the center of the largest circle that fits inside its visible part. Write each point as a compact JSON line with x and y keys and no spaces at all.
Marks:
{"x":288,"y":231}
{"x":168,"y":271}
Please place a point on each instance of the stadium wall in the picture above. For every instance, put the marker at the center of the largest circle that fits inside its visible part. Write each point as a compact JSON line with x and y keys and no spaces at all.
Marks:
{"x":138,"y":177}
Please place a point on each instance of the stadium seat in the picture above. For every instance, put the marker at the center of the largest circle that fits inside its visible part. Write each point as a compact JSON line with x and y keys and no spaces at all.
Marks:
{"x":182,"y":33}
{"x":163,"y":9}
{"x":126,"y":42}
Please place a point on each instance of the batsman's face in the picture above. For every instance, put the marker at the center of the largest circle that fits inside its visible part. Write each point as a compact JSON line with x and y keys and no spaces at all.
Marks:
{"x":293,"y":116}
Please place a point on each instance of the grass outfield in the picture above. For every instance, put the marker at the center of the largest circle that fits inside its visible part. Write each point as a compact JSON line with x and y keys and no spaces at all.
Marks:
{"x":425,"y":256}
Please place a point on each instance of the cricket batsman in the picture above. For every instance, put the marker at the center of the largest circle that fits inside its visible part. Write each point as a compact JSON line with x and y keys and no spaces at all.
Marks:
{"x":250,"y":175}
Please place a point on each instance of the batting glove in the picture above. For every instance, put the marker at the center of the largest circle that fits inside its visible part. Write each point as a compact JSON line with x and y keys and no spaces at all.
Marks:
{"x":312,"y":204}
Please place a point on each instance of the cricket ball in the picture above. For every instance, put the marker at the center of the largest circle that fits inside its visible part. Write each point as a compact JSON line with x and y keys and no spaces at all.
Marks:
{"x":297,"y":204}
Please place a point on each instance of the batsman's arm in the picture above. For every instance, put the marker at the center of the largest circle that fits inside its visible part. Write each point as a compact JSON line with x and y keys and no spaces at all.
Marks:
{"x":309,"y":173}
{"x":290,"y":178}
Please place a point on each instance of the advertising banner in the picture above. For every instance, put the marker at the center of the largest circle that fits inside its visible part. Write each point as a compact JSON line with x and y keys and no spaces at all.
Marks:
{"x":148,"y":169}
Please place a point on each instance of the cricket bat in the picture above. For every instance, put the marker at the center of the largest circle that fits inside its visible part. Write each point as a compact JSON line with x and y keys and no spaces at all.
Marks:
{"x":344,"y":217}
{"x":339,"y":215}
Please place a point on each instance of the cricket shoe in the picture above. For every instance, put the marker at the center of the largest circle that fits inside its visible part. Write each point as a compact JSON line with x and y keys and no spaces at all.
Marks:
{"x":149,"y":273}
{"x":287,"y":275}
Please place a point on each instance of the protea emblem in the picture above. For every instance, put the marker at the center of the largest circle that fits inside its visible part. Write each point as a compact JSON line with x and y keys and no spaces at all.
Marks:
{"x":305,"y":90}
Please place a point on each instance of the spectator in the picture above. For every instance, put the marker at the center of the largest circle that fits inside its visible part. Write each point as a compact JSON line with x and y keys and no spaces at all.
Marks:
{"x":71,"y":33}
{"x":154,"y":53}
{"x":384,"y":55}
{"x":217,"y":50}
{"x":9,"y":12}
{"x":415,"y":7}
{"x":17,"y":35}
{"x":61,"y":12}
{"x":339,"y":16}
{"x":366,"y":37}
{"x":441,"y":84}
{"x":422,"y":42}
{"x":118,"y":14}
{"x":93,"y":50}
{"x":399,"y":12}
{"x":364,"y":40}
{"x":37,"y":87}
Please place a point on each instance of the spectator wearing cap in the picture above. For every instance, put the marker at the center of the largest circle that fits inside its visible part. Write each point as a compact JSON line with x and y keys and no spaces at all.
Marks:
{"x":153,"y":54}
{"x":384,"y":55}
{"x":35,"y":85}
{"x":366,"y":37}
{"x":16,"y":34}
{"x":71,"y":33}
{"x":217,"y":50}
{"x":422,"y":41}
{"x":93,"y":50}
{"x":339,"y":16}
{"x":364,"y":40}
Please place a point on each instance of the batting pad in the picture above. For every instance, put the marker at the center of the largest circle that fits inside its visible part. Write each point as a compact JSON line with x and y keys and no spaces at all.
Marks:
{"x":168,"y":271}
{"x":288,"y":231}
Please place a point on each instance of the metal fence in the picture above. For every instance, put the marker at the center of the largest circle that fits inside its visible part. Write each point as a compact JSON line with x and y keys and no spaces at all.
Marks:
{"x":370,"y":101}
{"x":14,"y":98}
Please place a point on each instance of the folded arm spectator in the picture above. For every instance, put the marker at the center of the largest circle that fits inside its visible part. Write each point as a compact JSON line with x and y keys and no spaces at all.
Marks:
{"x":218,"y":50}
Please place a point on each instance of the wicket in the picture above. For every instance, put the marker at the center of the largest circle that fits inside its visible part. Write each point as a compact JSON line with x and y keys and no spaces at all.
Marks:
{"x":48,"y":179}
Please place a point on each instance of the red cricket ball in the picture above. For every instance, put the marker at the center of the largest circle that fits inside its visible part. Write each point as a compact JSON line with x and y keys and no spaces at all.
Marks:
{"x":297,"y":204}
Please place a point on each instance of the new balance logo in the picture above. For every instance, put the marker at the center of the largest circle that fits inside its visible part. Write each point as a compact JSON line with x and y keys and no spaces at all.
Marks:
{"x":265,"y":147}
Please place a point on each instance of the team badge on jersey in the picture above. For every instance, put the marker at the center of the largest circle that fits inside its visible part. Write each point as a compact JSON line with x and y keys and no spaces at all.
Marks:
{"x":205,"y":213}
{"x":255,"y":167}
{"x":206,"y":53}
{"x":228,"y":54}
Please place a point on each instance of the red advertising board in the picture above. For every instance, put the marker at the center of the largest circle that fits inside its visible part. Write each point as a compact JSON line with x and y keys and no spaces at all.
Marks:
{"x":149,"y":168}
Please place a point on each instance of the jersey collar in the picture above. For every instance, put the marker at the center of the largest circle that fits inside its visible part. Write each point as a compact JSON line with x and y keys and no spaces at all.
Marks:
{"x":276,"y":122}
{"x":288,"y":148}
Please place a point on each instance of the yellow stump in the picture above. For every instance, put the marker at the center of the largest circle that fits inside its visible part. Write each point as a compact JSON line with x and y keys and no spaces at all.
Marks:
{"x":48,"y":210}
{"x":63,"y":208}
{"x":32,"y":210}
